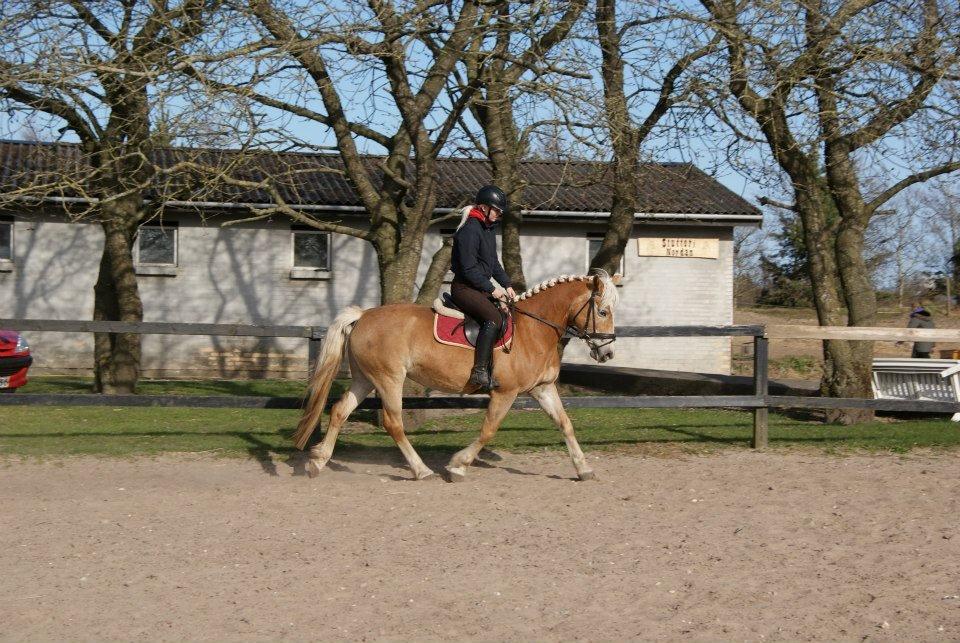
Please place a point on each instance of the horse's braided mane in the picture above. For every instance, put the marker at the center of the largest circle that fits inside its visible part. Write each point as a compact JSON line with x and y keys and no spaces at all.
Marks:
{"x":610,"y":297}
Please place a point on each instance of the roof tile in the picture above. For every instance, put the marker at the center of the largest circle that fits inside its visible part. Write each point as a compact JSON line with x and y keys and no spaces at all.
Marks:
{"x":319,"y":179}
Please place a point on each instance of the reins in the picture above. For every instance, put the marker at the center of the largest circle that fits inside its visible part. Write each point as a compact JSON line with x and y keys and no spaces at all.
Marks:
{"x":591,"y":338}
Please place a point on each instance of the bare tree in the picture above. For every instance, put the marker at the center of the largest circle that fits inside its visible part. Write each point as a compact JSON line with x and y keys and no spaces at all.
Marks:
{"x":518,"y":65}
{"x":939,"y":208}
{"x":831,"y":89}
{"x":632,"y":51}
{"x":101,"y":72}
{"x":894,"y":247}
{"x":747,"y":250}
{"x":361,"y":71}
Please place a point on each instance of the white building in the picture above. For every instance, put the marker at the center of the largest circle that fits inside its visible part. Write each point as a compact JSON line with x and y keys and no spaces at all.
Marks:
{"x":678,"y":268}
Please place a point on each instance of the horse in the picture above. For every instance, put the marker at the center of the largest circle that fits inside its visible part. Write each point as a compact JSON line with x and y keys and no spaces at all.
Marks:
{"x":389,"y":343}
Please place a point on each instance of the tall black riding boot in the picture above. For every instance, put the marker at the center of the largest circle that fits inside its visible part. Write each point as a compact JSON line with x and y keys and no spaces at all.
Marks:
{"x":482,"y":373}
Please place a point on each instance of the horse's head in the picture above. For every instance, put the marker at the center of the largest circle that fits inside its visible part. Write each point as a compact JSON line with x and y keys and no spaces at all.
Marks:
{"x":594,"y":316}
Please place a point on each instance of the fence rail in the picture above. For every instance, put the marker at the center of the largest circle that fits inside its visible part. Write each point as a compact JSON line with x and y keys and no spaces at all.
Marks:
{"x":865,"y":333}
{"x":162,"y":328}
{"x":760,"y":402}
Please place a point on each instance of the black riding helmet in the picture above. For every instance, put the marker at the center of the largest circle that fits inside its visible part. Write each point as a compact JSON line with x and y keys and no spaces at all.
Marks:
{"x":492,"y":195}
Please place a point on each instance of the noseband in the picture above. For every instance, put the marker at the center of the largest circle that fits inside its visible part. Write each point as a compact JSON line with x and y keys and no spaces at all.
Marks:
{"x":593,"y":339}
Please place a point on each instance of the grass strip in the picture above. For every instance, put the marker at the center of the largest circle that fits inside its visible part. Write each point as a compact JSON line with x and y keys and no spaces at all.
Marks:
{"x":123,"y":432}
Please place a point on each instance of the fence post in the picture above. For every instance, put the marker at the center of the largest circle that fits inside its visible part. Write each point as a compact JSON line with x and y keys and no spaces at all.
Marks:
{"x":760,"y":389}
{"x":313,"y":350}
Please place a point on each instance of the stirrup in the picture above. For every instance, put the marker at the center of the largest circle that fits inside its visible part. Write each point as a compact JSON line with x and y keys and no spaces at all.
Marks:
{"x":480,"y":377}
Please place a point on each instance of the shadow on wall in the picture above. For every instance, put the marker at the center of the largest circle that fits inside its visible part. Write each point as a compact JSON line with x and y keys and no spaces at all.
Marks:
{"x":245,"y":278}
{"x":55,"y":267}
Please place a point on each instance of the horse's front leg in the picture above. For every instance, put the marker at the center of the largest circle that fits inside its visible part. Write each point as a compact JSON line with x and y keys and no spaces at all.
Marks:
{"x":549,"y":399}
{"x":500,"y":403}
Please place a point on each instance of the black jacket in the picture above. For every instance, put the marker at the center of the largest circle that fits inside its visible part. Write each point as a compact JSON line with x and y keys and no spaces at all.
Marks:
{"x":921,"y":320}
{"x":474,"y":259}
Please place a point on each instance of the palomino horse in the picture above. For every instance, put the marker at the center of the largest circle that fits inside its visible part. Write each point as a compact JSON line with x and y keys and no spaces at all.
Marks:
{"x":390,"y":343}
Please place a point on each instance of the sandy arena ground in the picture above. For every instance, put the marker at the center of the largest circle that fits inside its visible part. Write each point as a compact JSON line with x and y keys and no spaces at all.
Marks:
{"x":741,"y":545}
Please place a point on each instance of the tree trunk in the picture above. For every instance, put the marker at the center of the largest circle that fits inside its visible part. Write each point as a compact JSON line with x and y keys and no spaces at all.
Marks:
{"x":622,"y":211}
{"x":854,"y":379}
{"x":624,"y":139}
{"x":900,"y":270}
{"x":510,"y":233}
{"x":117,"y":298}
{"x":398,"y":255}
{"x":504,"y":149}
{"x":439,"y":265}
{"x":844,"y":371}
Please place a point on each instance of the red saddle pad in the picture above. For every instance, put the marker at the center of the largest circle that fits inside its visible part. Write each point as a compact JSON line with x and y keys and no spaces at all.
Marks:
{"x":450,"y":330}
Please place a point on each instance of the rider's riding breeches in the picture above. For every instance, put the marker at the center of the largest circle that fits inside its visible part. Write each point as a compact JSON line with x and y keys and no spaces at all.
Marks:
{"x":475,"y":304}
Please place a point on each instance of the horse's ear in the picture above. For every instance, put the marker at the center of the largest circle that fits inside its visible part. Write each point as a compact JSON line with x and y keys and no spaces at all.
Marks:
{"x":596,"y":283}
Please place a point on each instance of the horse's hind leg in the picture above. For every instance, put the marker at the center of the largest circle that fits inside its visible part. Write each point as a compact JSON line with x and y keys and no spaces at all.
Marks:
{"x":319,"y":454}
{"x":393,"y":422}
{"x":499,"y":404}
{"x":549,"y":399}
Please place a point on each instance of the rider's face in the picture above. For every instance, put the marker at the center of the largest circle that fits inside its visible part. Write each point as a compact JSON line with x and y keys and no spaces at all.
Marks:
{"x":493,"y":214}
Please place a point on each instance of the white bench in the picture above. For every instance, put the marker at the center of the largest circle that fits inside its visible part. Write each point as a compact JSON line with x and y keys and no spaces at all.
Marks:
{"x":907,"y":378}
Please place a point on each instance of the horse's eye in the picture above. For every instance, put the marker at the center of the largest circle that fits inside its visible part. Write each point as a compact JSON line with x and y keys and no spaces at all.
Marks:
{"x":602,"y":313}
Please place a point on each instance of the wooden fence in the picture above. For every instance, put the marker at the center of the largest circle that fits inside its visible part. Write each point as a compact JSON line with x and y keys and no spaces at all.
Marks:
{"x":760,"y":402}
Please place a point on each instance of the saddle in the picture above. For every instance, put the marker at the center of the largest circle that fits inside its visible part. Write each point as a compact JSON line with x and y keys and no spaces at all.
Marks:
{"x":452,"y":327}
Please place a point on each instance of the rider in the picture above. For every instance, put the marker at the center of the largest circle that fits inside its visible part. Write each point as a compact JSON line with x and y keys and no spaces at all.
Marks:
{"x":474,"y":262}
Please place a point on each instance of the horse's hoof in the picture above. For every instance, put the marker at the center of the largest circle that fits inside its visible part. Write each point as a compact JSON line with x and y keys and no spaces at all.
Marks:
{"x":423,"y":475}
{"x":587,"y":475}
{"x":314,"y":467}
{"x":456,"y":476}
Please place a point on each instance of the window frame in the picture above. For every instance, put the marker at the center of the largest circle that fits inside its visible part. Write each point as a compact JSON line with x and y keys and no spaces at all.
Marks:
{"x":154,"y":268}
{"x":310,"y":272}
{"x":6,"y":264}
{"x":598,"y":236}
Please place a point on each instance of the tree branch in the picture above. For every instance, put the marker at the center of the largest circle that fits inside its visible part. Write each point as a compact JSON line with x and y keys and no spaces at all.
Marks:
{"x":98,"y":27}
{"x":86,"y":131}
{"x":895,"y":114}
{"x":777,"y":204}
{"x":906,"y":182}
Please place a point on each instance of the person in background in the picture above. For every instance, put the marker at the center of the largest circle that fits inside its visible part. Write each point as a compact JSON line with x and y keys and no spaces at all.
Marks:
{"x":920,"y":318}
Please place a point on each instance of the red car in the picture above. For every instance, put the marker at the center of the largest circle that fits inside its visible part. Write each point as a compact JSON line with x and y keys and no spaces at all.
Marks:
{"x":14,"y":360}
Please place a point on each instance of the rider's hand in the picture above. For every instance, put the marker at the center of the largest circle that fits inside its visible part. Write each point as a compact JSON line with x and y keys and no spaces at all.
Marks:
{"x":501,"y":296}
{"x":510,"y":293}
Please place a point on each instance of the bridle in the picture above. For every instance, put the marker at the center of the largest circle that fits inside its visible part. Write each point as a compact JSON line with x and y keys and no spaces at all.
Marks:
{"x":593,"y":339}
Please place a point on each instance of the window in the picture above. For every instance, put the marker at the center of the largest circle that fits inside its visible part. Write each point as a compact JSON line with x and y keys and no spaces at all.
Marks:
{"x":157,"y":245}
{"x":594,"y":241}
{"x":311,"y":253}
{"x":6,"y":240}
{"x":156,"y":249}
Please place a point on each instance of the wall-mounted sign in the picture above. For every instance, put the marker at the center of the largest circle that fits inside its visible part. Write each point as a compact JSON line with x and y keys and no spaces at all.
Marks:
{"x":678,"y":247}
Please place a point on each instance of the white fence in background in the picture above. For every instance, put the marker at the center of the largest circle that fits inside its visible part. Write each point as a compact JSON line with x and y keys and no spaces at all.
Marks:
{"x":905,"y":378}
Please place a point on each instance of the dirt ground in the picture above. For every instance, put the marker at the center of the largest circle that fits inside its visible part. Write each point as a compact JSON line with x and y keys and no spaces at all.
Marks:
{"x":739,"y":545}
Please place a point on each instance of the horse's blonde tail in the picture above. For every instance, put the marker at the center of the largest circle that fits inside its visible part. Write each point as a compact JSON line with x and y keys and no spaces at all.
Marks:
{"x":328,"y":363}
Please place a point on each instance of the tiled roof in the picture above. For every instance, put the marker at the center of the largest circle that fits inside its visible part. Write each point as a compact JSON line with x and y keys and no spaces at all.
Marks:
{"x":318,"y":180}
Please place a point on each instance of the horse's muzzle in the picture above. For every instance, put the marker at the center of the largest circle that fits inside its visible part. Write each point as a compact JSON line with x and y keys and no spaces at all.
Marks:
{"x":602,"y":354}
